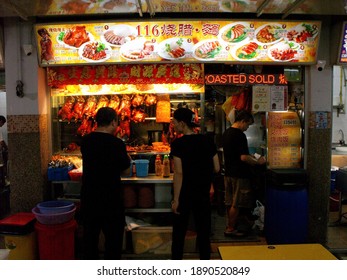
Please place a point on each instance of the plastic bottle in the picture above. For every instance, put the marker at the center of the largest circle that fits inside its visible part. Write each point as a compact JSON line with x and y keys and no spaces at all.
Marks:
{"x":158,"y":165}
{"x":133,"y":169}
{"x":166,"y":163}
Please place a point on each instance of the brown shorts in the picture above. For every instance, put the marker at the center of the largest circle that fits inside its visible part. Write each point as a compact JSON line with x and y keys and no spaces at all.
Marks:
{"x":238,"y":192}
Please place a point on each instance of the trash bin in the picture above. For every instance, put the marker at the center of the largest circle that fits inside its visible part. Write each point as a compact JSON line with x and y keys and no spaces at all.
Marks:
{"x":19,"y":236}
{"x":286,"y":206}
{"x":57,"y":241}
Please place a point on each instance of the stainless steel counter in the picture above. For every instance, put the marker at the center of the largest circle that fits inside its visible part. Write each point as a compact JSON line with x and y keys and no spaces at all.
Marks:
{"x":150,"y":179}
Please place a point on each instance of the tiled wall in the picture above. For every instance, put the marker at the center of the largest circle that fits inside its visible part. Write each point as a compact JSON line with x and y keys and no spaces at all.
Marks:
{"x":28,"y":153}
{"x":3,"y":113}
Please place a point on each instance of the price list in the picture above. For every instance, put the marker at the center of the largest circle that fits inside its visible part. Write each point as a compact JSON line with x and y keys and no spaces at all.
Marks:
{"x":284,"y":140}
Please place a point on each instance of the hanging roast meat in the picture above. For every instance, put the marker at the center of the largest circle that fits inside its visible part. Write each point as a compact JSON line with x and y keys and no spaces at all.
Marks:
{"x":123,"y":129}
{"x":138,"y":115}
{"x":90,"y":106}
{"x":150,"y":99}
{"x":125,"y":105}
{"x":78,"y":108}
{"x":103,"y":102}
{"x":65,"y":113}
{"x":86,"y":126}
{"x":114,"y":102}
{"x":137,"y":100}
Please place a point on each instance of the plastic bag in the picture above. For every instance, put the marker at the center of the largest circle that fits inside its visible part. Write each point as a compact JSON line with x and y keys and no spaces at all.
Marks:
{"x":259,"y":211}
{"x":229,"y":109}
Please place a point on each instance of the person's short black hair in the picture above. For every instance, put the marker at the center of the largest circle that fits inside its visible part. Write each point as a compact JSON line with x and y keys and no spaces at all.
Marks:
{"x":185,"y":115}
{"x":3,"y":119}
{"x":245,"y":116}
{"x":105,"y":116}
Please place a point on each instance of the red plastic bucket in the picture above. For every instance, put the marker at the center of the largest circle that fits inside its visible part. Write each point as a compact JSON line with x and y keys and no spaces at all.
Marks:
{"x":56,"y":242}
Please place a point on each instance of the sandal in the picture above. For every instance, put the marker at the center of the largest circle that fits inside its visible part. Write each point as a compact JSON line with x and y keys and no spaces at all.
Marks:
{"x":234,"y":233}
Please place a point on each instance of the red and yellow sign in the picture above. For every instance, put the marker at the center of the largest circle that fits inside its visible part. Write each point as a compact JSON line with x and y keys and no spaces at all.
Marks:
{"x":127,"y":74}
{"x":284,"y":140}
{"x":190,"y":41}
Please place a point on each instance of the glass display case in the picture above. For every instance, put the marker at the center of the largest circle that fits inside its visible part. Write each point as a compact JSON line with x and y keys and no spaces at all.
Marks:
{"x":138,"y":119}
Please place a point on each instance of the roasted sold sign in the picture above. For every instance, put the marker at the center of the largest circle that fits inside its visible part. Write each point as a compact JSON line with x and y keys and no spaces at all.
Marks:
{"x":245,"y":79}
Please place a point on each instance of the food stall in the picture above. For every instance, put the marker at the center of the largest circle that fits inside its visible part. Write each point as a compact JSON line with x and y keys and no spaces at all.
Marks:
{"x":99,"y":63}
{"x":145,"y":70}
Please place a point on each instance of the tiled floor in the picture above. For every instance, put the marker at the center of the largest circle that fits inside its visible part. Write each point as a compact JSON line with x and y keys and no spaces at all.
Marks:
{"x":336,"y":240}
{"x":337,"y":234}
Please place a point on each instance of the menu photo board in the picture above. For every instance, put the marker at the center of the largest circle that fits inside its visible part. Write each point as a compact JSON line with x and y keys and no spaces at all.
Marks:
{"x":284,"y":140}
{"x":269,"y":98}
{"x":185,"y":41}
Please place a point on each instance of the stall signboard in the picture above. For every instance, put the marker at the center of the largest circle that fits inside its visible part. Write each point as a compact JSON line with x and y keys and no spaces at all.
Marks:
{"x":186,"y":73}
{"x":342,"y":59}
{"x":243,"y":79}
{"x":185,"y":41}
{"x":284,"y":140}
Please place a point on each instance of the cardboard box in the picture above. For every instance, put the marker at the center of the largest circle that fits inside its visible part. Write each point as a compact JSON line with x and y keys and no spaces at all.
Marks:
{"x":152,"y":240}
{"x":158,"y":240}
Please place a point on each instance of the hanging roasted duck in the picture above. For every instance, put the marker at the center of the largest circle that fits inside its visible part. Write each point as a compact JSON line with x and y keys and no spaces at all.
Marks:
{"x":150,"y":99}
{"x":138,"y":115}
{"x":103,"y":102}
{"x":114,"y":102}
{"x":65,"y":113}
{"x":137,"y":100}
{"x":123,"y":129}
{"x":90,"y":106}
{"x":78,"y":108}
{"x":124,"y":107}
{"x":86,"y":126}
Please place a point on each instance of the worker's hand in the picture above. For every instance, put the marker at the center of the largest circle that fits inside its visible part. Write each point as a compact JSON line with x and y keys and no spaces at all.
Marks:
{"x":261,"y":160}
{"x":174,"y":206}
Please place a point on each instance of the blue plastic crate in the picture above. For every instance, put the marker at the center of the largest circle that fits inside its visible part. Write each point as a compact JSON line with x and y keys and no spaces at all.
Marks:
{"x":59,"y":173}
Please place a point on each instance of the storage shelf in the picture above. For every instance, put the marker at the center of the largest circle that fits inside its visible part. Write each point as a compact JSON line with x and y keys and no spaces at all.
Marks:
{"x":161,"y":185}
{"x":150,"y":179}
{"x":159,"y":207}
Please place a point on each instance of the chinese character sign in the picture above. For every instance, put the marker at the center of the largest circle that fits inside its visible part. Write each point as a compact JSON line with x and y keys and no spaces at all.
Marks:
{"x":193,"y":41}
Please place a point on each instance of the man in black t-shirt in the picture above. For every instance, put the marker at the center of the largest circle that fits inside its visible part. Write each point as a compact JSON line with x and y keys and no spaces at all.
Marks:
{"x":195,"y":160}
{"x":238,"y":162}
{"x":104,"y":160}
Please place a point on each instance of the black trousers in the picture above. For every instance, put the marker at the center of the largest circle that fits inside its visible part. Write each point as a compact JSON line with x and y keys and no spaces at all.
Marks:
{"x":201,"y":214}
{"x":113,"y":230}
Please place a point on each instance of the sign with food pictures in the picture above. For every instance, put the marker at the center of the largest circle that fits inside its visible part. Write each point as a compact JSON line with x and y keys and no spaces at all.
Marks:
{"x":284,"y":140}
{"x":190,"y":41}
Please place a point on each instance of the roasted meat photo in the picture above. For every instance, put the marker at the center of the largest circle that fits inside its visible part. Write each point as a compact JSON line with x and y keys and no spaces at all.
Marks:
{"x":94,"y":51}
{"x":76,"y":36}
